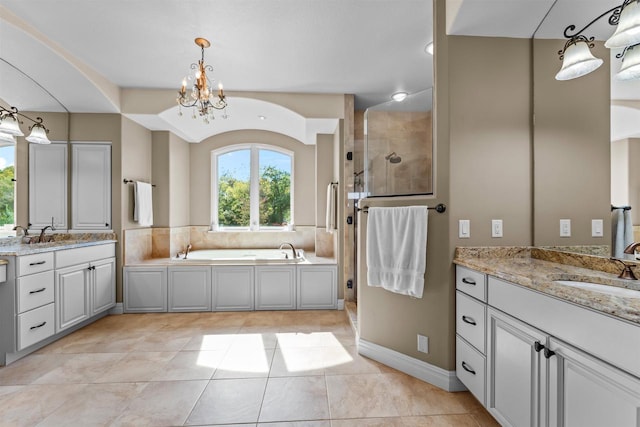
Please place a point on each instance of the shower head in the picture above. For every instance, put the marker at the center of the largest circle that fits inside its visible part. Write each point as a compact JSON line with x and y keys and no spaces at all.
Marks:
{"x":393,"y":157}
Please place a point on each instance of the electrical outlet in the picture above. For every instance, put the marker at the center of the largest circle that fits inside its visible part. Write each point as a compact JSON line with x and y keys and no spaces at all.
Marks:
{"x":565,"y":228}
{"x":597,"y":228}
{"x":464,"y":229}
{"x":423,"y":344}
{"x":496,"y":228}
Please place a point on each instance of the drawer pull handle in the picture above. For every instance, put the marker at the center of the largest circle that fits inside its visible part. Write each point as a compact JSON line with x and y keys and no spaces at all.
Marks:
{"x":38,"y":326}
{"x":469,"y":320}
{"x":467,"y":368}
{"x":537,"y":346}
{"x":548,"y":353}
{"x":37,"y":291}
{"x":37,"y":263}
{"x":468,"y":281}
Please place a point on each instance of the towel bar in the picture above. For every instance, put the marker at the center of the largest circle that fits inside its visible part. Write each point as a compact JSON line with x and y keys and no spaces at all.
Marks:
{"x":625,"y":208}
{"x":440,"y":208}
{"x":128,"y":181}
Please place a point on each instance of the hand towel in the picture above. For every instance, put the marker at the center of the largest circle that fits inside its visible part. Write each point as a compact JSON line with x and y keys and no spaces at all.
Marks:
{"x":622,"y":227}
{"x":397,"y":249}
{"x":332,"y":205}
{"x":142,"y":204}
{"x":628,"y":228}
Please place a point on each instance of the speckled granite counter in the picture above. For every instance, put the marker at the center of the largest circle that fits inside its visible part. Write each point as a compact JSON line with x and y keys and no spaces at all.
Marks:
{"x":14,"y":247}
{"x":537,"y":269}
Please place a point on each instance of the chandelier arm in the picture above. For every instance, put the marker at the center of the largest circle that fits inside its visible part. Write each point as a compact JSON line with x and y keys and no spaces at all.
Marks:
{"x":613,"y":20}
{"x":575,"y":39}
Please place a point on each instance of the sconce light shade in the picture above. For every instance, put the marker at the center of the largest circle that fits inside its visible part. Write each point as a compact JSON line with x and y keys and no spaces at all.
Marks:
{"x":630,"y":69}
{"x":38,"y":135}
{"x":7,"y":140}
{"x":628,"y":30}
{"x":9,"y":125}
{"x":578,"y":61}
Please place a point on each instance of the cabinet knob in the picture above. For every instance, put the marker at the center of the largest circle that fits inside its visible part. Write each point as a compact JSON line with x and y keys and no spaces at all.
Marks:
{"x":537,"y":346}
{"x":548,"y":353}
{"x":106,"y":224}
{"x":467,"y":368}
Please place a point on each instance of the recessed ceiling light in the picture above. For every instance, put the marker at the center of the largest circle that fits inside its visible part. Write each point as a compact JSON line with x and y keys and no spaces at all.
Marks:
{"x":399,"y":96}
{"x":262,"y":117}
{"x":429,"y":48}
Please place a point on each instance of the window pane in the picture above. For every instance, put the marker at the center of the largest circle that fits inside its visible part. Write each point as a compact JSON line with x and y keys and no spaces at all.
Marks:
{"x":275,"y":188}
{"x":7,"y":187}
{"x":233,"y":188}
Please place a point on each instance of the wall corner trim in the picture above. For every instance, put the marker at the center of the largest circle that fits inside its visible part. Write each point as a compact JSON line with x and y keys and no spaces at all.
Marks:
{"x":424,"y":371}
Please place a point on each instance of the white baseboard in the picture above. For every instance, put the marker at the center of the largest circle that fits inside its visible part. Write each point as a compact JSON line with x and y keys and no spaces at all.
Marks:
{"x":439,"y":377}
{"x":117,"y":309}
{"x":340,"y":304}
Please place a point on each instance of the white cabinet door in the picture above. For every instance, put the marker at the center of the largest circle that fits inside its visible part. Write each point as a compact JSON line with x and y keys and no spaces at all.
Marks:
{"x":48,"y":185}
{"x":275,"y":287}
{"x":586,"y":392}
{"x":103,"y":295}
{"x":515,"y":377}
{"x":72,"y":296}
{"x":189,"y":288}
{"x":145,"y":289}
{"x":91,"y":186}
{"x":317,"y":287}
{"x":232,"y":288}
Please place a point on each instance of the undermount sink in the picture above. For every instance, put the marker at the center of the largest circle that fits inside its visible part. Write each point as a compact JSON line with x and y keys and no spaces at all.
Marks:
{"x":604,"y":289}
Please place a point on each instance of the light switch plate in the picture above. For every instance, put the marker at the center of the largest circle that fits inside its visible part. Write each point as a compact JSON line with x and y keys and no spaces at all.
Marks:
{"x":464,"y":229}
{"x":597,"y":228}
{"x":565,"y":228}
{"x":496,"y":228}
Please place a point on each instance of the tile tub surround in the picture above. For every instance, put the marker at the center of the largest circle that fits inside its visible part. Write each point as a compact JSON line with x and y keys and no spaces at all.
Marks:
{"x":182,"y":369}
{"x":536,"y":269}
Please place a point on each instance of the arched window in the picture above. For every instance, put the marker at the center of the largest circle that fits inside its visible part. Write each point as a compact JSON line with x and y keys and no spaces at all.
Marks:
{"x":252,"y":188}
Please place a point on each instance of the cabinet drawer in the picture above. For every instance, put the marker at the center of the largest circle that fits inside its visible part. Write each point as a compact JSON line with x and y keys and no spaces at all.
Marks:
{"x":35,"y":290}
{"x":30,"y":264}
{"x":470,"y":368}
{"x":471,"y":283}
{"x":471,"y":317}
{"x":35,"y":325}
{"x":68,"y":257}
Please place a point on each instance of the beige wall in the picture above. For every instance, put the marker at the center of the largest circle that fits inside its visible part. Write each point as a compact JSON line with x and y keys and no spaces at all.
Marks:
{"x":571,"y":151}
{"x":304,"y":171}
{"x":324,"y":175}
{"x":180,"y":184}
{"x":161,"y":178}
{"x":136,"y":165}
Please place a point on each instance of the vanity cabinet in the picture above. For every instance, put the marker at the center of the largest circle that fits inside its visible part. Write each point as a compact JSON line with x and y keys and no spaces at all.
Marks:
{"x":90,"y":186}
{"x":549,"y":362}
{"x":145,"y":289}
{"x":317,"y":287}
{"x":189,"y":288}
{"x":85,"y":283}
{"x":48,"y":185}
{"x":275,"y":287}
{"x":233,"y":288}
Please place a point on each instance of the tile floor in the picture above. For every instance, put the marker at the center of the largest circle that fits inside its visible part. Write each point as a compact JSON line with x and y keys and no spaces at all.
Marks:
{"x":296,"y":369}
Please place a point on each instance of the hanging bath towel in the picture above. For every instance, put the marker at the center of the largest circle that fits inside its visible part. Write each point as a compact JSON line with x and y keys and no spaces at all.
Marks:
{"x":142,"y":204}
{"x":397,"y":249}
{"x":332,"y":207}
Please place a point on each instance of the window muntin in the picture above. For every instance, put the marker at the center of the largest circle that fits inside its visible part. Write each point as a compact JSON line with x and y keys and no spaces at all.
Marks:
{"x":252,"y":188}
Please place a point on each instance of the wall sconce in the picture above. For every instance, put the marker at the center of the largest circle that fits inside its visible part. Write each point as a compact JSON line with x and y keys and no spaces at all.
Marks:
{"x":10,"y":128}
{"x":576,"y":56}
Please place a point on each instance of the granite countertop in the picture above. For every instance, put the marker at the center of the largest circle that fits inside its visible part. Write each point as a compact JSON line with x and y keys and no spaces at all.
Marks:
{"x":310,"y":258}
{"x":35,"y":248}
{"x":537,"y":270}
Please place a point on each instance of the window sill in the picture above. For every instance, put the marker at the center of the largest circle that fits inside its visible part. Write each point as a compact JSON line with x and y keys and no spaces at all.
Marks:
{"x":251,"y":231}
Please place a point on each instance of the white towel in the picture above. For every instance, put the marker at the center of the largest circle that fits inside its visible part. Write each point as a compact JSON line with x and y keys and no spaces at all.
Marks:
{"x":332,"y":205}
{"x":397,"y":249}
{"x":622,"y":231}
{"x":142,"y":204}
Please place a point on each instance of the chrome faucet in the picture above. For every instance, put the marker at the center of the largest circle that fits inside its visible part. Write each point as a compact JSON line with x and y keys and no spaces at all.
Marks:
{"x":293,"y":249}
{"x":42,"y":232}
{"x":25,"y":231}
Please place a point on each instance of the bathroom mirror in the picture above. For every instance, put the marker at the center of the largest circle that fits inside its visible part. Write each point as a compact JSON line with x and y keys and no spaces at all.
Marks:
{"x":398,"y":146}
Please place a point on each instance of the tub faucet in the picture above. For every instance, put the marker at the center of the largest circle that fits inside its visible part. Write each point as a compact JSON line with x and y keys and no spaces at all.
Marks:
{"x":24,"y":230}
{"x":186,"y":252}
{"x":293,"y":249}
{"x":40,"y":239}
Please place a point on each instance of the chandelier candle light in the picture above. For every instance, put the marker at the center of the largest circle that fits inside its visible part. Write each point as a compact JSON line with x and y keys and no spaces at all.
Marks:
{"x":576,"y":56}
{"x":201,"y":97}
{"x":10,"y":128}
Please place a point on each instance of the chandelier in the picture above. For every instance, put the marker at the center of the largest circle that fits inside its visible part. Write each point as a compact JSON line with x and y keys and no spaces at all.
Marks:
{"x":577,"y":59}
{"x":10,"y":128}
{"x":201,"y":97}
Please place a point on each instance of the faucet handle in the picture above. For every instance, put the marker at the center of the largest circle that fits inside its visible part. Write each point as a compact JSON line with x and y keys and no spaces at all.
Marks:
{"x":627,"y":272}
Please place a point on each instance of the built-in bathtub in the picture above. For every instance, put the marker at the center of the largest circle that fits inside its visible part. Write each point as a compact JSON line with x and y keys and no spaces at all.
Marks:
{"x":244,"y":256}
